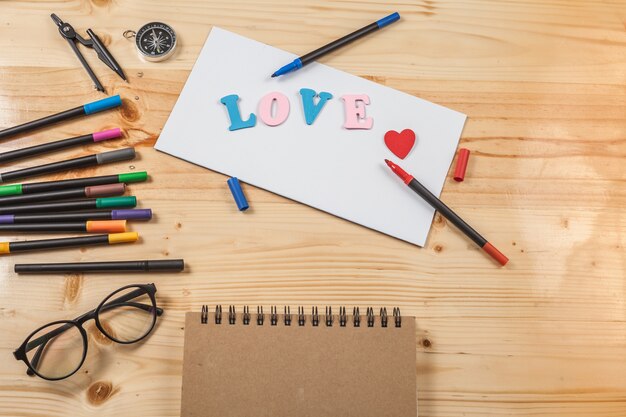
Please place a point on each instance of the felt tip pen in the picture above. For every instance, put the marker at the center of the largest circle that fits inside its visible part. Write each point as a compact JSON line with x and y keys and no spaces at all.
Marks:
{"x":124,"y":214}
{"x":67,"y":242}
{"x":60,"y":144}
{"x":124,"y":154}
{"x":312,"y":56}
{"x":89,"y":226}
{"x":165,"y":265}
{"x":446,"y":212}
{"x":84,"y":204}
{"x":39,"y":187}
{"x":106,"y":190}
{"x":86,"y":109}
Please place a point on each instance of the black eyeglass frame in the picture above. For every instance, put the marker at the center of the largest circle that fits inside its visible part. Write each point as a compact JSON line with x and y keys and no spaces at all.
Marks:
{"x":141,"y":289}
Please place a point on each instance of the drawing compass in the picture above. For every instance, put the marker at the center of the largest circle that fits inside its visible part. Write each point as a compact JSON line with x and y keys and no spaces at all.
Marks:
{"x":154,"y":41}
{"x":67,"y":31}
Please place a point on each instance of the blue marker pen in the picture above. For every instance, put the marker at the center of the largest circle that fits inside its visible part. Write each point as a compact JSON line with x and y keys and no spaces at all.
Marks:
{"x":89,"y":108}
{"x":313,"y":56}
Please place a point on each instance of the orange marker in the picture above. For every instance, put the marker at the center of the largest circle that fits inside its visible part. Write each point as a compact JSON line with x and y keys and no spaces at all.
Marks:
{"x":92,"y":226}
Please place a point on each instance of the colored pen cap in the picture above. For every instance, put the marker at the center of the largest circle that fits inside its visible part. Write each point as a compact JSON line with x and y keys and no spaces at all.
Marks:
{"x":105,"y":190}
{"x":107,"y":134}
{"x":240,"y":198}
{"x":104,"y":104}
{"x":461,"y":164}
{"x":106,"y":226}
{"x":14,"y":189}
{"x":7,"y":219}
{"x":115,"y":156}
{"x":123,"y":237}
{"x":387,"y":20}
{"x":133,"y":176}
{"x":110,"y":202}
{"x":131,"y":214}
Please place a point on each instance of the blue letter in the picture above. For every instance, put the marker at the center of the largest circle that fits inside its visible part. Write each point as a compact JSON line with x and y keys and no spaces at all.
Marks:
{"x":233,"y":112}
{"x":312,"y":110}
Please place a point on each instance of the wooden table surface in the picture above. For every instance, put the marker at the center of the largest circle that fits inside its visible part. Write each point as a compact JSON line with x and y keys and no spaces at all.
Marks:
{"x":543,"y":85}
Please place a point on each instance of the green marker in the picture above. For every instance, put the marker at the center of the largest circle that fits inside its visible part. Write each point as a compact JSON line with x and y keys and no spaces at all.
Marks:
{"x":39,"y":187}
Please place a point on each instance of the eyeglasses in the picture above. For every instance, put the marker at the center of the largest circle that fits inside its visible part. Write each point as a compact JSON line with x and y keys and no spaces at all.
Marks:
{"x":58,"y":349}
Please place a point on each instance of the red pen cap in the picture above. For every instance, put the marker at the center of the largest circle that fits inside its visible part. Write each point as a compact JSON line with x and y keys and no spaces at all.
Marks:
{"x":461,"y":164}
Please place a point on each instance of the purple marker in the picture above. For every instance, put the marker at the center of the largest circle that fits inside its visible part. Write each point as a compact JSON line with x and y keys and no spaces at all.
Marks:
{"x":60,"y":144}
{"x":126,"y":214}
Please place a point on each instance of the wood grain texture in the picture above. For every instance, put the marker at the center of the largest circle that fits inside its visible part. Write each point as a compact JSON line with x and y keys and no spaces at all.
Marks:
{"x":543,"y":83}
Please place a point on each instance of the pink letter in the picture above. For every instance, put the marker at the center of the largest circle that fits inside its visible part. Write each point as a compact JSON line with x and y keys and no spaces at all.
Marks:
{"x":282,"y":108}
{"x":355,"y":112}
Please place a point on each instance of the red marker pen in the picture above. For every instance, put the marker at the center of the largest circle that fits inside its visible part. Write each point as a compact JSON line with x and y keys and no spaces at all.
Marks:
{"x":446,"y":212}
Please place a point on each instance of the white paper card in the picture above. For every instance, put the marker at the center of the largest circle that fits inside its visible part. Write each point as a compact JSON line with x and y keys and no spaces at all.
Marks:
{"x":323,"y":165}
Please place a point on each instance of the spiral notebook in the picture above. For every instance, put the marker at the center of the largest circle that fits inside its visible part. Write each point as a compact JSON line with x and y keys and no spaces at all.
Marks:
{"x":279,"y":364}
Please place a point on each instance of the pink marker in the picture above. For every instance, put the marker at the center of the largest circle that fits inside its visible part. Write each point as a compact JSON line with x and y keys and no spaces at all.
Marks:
{"x":60,"y":144}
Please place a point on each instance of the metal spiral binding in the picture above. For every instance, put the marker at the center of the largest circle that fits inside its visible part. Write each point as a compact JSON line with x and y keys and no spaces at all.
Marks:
{"x":343,"y":318}
{"x":287,"y":316}
{"x":329,"y":316}
{"x":397,"y":318}
{"x":205,"y":314}
{"x":218,"y":314}
{"x":246,"y":315}
{"x":356,"y":317}
{"x":232,"y":315}
{"x":370,"y":317}
{"x":315,"y":316}
{"x":301,"y":316}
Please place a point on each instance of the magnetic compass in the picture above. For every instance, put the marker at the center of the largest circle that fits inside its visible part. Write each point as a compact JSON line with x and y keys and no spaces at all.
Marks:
{"x":154,"y":41}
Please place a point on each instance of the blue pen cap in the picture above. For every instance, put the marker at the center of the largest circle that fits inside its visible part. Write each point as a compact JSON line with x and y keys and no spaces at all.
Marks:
{"x":393,"y":17}
{"x":235,"y":189}
{"x":104,"y":104}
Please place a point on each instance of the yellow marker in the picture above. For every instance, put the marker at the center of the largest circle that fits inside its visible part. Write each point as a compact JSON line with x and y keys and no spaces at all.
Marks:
{"x":67,"y":242}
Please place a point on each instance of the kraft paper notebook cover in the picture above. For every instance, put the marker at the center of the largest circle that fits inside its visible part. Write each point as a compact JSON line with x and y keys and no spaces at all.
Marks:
{"x":288,"y":367}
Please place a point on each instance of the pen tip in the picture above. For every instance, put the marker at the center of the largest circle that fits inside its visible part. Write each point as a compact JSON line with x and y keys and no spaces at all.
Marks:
{"x":388,"y":162}
{"x":273,"y":75}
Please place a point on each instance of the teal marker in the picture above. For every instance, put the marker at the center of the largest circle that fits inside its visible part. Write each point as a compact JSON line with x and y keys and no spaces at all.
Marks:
{"x":72,"y":205}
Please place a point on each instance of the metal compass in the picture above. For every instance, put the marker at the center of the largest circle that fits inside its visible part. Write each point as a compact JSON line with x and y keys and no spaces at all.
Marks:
{"x":154,"y":41}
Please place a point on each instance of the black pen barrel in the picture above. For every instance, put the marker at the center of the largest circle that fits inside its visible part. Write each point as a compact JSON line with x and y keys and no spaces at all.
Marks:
{"x":447,"y":212}
{"x":40,"y":187}
{"x":54,"y":206}
{"x":171,"y":265}
{"x":81,"y":162}
{"x":66,"y":242}
{"x":44,"y":121}
{"x":61,"y":217}
{"x":45,"y":227}
{"x":45,"y":148}
{"x":351,"y":37}
{"x":47,"y":196}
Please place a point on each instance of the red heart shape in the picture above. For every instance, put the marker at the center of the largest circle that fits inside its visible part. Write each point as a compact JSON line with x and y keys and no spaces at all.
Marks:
{"x":400,"y":143}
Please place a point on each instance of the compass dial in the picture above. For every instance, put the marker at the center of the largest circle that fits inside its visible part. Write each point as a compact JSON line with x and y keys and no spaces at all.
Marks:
{"x":155,"y":41}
